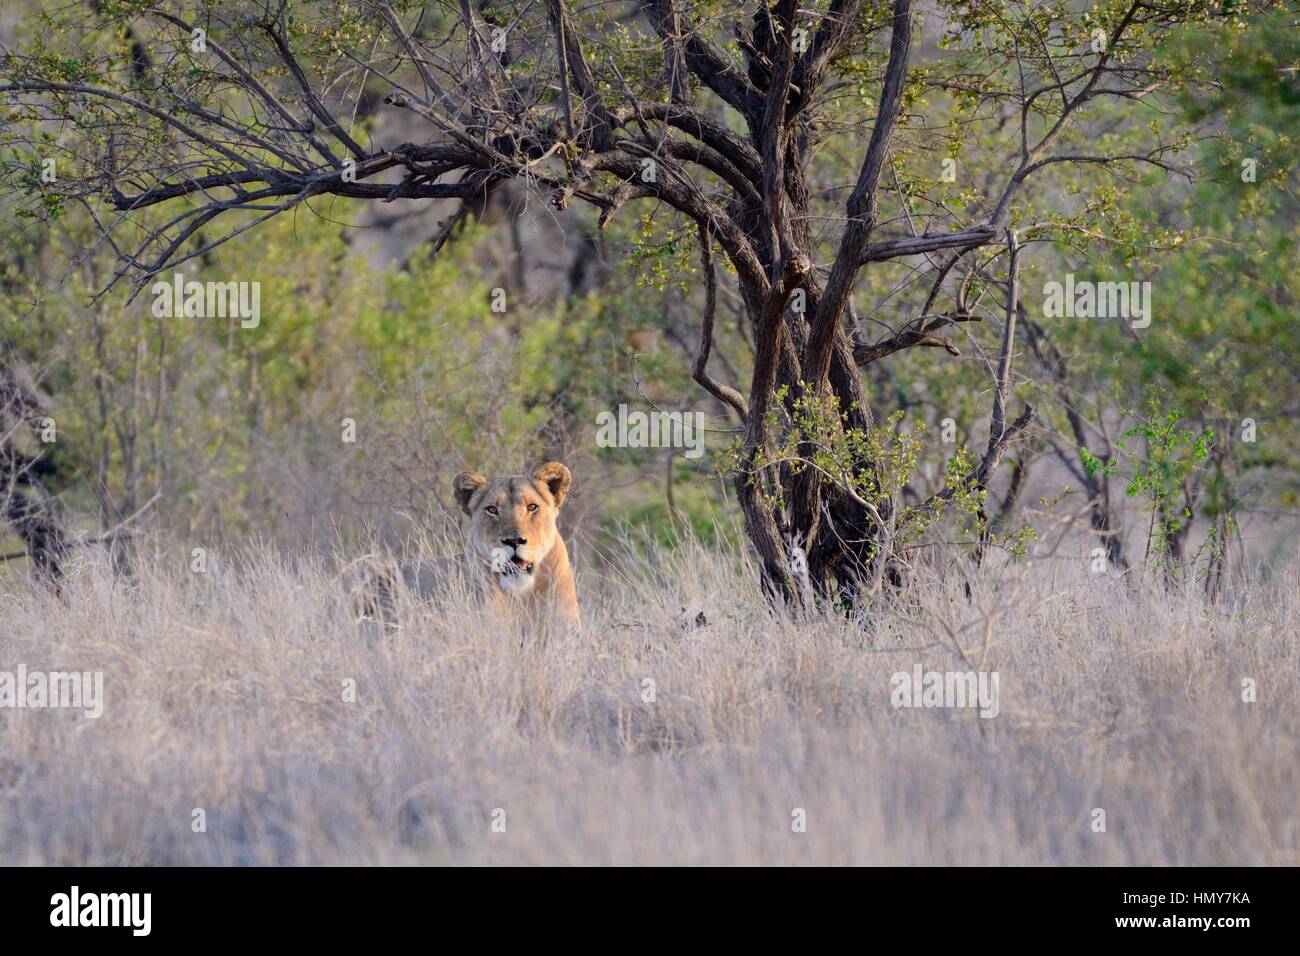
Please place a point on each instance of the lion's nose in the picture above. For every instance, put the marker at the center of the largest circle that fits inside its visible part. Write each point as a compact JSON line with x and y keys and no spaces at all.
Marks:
{"x":514,"y":542}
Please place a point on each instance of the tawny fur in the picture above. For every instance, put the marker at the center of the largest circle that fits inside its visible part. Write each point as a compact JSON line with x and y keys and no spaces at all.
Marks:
{"x":514,"y":554}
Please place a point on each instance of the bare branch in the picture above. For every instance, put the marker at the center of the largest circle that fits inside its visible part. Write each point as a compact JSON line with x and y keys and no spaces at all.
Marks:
{"x":723,"y":393}
{"x":861,"y":204}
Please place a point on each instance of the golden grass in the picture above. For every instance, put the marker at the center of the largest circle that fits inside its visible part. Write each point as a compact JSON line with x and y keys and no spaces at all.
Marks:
{"x":224,"y":691}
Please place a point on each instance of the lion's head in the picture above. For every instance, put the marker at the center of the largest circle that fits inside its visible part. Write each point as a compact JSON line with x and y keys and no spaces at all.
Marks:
{"x":512,"y":522}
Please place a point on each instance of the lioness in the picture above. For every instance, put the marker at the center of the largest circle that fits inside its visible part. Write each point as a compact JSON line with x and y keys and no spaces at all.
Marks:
{"x":514,"y":552}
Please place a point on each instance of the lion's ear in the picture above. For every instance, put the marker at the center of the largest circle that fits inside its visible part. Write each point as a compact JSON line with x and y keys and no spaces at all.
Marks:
{"x":463,"y":487}
{"x":555,"y":477}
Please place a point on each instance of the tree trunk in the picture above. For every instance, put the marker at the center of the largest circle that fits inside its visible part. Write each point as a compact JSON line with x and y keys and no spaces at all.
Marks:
{"x":25,"y":504}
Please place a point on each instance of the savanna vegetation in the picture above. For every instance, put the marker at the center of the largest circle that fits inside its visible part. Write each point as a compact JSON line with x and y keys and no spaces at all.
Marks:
{"x":839,"y":231}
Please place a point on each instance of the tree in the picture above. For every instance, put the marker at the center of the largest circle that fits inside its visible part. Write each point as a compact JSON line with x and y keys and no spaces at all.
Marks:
{"x":1218,"y":355}
{"x":735,"y":117}
{"x":24,"y":499}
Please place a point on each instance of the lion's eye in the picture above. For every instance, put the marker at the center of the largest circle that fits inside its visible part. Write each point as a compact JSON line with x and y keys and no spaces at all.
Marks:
{"x":492,"y":510}
{"x":532,"y":508}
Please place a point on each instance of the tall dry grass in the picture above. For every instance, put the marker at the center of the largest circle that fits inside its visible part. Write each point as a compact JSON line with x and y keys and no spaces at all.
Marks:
{"x":224,"y":691}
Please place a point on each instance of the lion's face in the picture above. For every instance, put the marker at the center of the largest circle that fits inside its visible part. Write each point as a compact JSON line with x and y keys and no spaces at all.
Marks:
{"x":512,"y":521}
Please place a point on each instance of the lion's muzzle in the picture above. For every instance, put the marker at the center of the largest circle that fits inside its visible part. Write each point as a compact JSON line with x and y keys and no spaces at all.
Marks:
{"x":508,"y":561}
